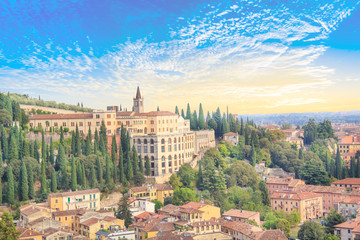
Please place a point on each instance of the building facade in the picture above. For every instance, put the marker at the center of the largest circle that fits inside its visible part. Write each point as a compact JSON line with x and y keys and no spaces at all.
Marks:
{"x":163,"y":136}
{"x":86,"y":199}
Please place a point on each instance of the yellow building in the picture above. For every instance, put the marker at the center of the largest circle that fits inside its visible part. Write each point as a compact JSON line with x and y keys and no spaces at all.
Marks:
{"x":151,"y":227}
{"x":308,"y":204}
{"x":196,"y":211}
{"x":89,"y":227}
{"x":26,"y":234}
{"x":153,"y":192}
{"x":163,"y":136}
{"x":68,"y":218}
{"x":86,"y":199}
{"x":31,"y":212}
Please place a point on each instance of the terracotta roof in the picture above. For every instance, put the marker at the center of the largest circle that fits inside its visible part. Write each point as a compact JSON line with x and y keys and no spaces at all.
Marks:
{"x":169,"y":208}
{"x":204,"y":223}
{"x":351,"y":224}
{"x":31,"y":210}
{"x":350,"y":200}
{"x":69,"y":212}
{"x":61,"y":116}
{"x":195,"y":205}
{"x":319,"y":189}
{"x":124,"y":113}
{"x":25,"y":233}
{"x":240,"y":213}
{"x":351,"y":181}
{"x":291,"y":182}
{"x":90,"y":221}
{"x":242,"y":227}
{"x":172,"y":236}
{"x":190,"y":210}
{"x":109,"y":219}
{"x":231,"y":134}
{"x":139,"y":189}
{"x":156,"y":113}
{"x":67,"y":194}
{"x":294,"y":195}
{"x":162,"y":187}
{"x":162,"y":226}
{"x":270,"y":234}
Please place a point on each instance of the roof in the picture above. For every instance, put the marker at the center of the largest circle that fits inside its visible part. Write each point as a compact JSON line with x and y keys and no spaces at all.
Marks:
{"x":138,"y":94}
{"x":350,"y":181}
{"x":294,"y":195}
{"x":156,"y":114}
{"x":157,"y":187}
{"x":103,"y":233}
{"x":350,"y":200}
{"x":231,"y":134}
{"x":25,"y":233}
{"x":245,"y":228}
{"x":161,"y":226}
{"x":291,"y":182}
{"x":169,"y":208}
{"x":240,"y":213}
{"x":195,"y":205}
{"x":68,"y":194}
{"x":351,"y":224}
{"x":31,"y":210}
{"x":162,"y":187}
{"x":61,"y":116}
{"x":69,"y":212}
{"x":90,"y":221}
{"x":172,"y":236}
{"x":204,"y":223}
{"x":271,"y":234}
{"x":320,"y":189}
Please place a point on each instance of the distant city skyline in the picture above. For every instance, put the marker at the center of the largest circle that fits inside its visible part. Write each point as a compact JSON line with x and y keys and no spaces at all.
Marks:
{"x":253,"y":56}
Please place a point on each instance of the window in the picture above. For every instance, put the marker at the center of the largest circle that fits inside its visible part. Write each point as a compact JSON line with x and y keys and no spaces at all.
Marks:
{"x":97,"y":115}
{"x":169,"y":148}
{"x":139,"y":149}
{"x":84,"y":197}
{"x":145,"y":149}
{"x":151,"y":149}
{"x":56,"y":201}
{"x":81,"y":124}
{"x":139,"y":141}
{"x":145,"y":141}
{"x":68,"y":200}
{"x":89,"y":124}
{"x":162,"y":141}
{"x":163,"y":148}
{"x":72,"y":124}
{"x":97,"y":123}
{"x":64,"y":124}
{"x":108,"y":123}
{"x":169,"y":141}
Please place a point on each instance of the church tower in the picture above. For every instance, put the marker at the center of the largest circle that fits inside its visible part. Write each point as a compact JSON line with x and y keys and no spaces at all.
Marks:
{"x":138,"y":102}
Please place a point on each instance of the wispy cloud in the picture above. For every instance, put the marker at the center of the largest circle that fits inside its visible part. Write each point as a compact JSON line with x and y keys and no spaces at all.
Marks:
{"x":241,"y":50}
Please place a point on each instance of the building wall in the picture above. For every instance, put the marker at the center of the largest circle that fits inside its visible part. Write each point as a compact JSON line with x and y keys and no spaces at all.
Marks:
{"x":75,"y":202}
{"x":67,"y":222}
{"x":90,"y":231}
{"x":210,"y":212}
{"x":343,"y":233}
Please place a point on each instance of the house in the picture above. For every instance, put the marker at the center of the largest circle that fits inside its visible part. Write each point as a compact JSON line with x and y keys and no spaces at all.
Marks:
{"x":308,"y":204}
{"x":348,"y":183}
{"x":152,"y":192}
{"x":281,"y":184}
{"x":57,"y":233}
{"x":101,"y":214}
{"x":67,"y":218}
{"x":196,"y":211}
{"x":345,"y":230}
{"x":115,"y":235}
{"x":89,"y":227}
{"x":43,"y":223}
{"x":231,"y":137}
{"x":31,"y":212}
{"x":141,"y":204}
{"x":151,"y":228}
{"x":242,"y":216}
{"x":26,"y":234}
{"x":203,"y":227}
{"x":171,"y":211}
{"x":349,"y":207}
{"x":86,"y":199}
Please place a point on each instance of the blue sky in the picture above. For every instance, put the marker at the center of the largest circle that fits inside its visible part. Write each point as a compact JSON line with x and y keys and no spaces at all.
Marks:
{"x":255,"y":56}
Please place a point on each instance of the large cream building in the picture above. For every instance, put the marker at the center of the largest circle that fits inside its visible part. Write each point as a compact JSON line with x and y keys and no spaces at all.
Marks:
{"x":163,"y":136}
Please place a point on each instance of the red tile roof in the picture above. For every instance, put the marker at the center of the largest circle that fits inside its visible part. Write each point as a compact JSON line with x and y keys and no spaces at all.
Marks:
{"x":69,"y":212}
{"x":26,"y":233}
{"x":240,"y":213}
{"x":351,"y":224}
{"x":294,"y":195}
{"x":61,"y":116}
{"x":231,"y":134}
{"x":348,"y":181}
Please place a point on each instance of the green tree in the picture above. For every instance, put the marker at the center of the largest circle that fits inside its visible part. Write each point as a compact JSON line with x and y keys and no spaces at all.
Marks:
{"x":43,"y":148}
{"x":62,"y":136}
{"x":313,"y":172}
{"x":108,"y":172}
{"x":5,"y":117}
{"x":88,"y":143}
{"x":43,"y":179}
{"x":176,"y":110}
{"x":284,"y":226}
{"x":188,"y":112}
{"x":4,"y":143}
{"x":10,"y":187}
{"x":96,"y":141}
{"x":129,"y":169}
{"x":62,"y":163}
{"x":338,"y":164}
{"x":182,"y":113}
{"x":7,"y":227}
{"x":124,"y":210}
{"x":77,"y":141}
{"x":73,"y":175}
{"x":84,"y":176}
{"x":53,"y":180}
{"x":147,"y":166}
{"x":158,"y":205}
{"x":1,"y":195}
{"x":103,"y":136}
{"x":121,"y":165}
{"x":194,"y":121}
{"x":141,"y":165}
{"x":264,"y":193}
{"x":247,"y":140}
{"x":333,"y":218}
{"x":92,"y":177}
{"x":99,"y":170}
{"x":24,"y":183}
{"x":31,"y":183}
{"x":113,"y":157}
{"x":139,"y":179}
{"x":187,"y":175}
{"x":175,"y":182}
{"x":184,"y":195}
{"x":52,"y":155}
{"x":253,"y":155}
{"x":200,"y":180}
{"x":311,"y":231}
{"x":13,"y":149}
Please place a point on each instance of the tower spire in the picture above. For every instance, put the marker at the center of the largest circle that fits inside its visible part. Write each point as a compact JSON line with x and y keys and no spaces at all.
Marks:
{"x":138,"y":102}
{"x":138,"y":94}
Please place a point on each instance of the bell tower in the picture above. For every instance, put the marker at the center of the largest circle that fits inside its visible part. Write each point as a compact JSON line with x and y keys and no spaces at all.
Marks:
{"x":138,"y":102}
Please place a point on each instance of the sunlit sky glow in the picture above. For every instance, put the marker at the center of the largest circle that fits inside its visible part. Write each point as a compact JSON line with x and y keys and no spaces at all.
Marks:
{"x":254,"y":56}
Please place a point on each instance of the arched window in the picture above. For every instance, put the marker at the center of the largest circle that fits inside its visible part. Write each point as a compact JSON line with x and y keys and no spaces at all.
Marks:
{"x":163,"y":158}
{"x":139,"y":141}
{"x":175,"y":157}
{"x":162,"y":141}
{"x":179,"y":139}
{"x":145,"y":141}
{"x":169,"y":141}
{"x":174,"y":140}
{"x":152,"y":158}
{"x":169,"y":158}
{"x":151,"y":141}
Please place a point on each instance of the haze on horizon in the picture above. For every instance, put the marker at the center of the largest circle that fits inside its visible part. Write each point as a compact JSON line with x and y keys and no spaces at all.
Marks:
{"x":253,"y":56}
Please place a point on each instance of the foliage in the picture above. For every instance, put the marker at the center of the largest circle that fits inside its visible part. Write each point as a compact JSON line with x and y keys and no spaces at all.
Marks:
{"x":158,"y":205}
{"x":311,"y":231}
{"x":183,"y":195}
{"x":124,"y":210}
{"x":7,"y":228}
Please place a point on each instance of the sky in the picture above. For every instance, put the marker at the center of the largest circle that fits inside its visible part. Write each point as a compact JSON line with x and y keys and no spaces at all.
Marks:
{"x":254,"y":56}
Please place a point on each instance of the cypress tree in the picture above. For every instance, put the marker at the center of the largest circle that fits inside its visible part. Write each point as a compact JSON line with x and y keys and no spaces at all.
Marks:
{"x":247,"y":134}
{"x":253,"y":155}
{"x":88,"y":143}
{"x":24,"y":183}
{"x":123,"y":137}
{"x":84,"y":176}
{"x":224,"y":125}
{"x":147,"y":166}
{"x":193,"y":121}
{"x":201,"y":117}
{"x":338,"y":164}
{"x":358,"y":168}
{"x":62,"y":163}
{"x":200,"y":180}
{"x":77,"y":142}
{"x":102,"y":146}
{"x":182,"y":113}
{"x":80,"y":180}
{"x":31,"y":183}
{"x":113,"y":157}
{"x":134,"y":160}
{"x":176,"y":110}
{"x":121,"y":165}
{"x":92,"y":177}
{"x":0,"y":191}
{"x":353,"y":168}
{"x":141,"y":165}
{"x":31,"y":146}
{"x":1,"y":158}
{"x":21,"y":145}
{"x":10,"y":188}
{"x":26,"y":148}
{"x":13,"y":149}
{"x":129,"y":169}
{"x":96,"y":141}
{"x":99,"y":170}
{"x":73,"y":143}
{"x":108,"y":171}
{"x":103,"y":135}
{"x":301,"y":154}
{"x":62,"y":136}
{"x":52,"y":156}
{"x":8,"y":106}
{"x":53,"y":180}
{"x":188,"y":112}
{"x":43,"y":150}
{"x":4,"y":143}
{"x":43,"y":179}
{"x":36,"y":151}
{"x":73,"y":175}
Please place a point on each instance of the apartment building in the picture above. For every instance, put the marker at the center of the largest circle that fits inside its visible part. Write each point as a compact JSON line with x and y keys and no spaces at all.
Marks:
{"x":196,"y":211}
{"x":282,"y":184}
{"x":152,"y":192}
{"x":86,"y":199}
{"x":239,"y":215}
{"x":308,"y":204}
{"x":349,"y":183}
